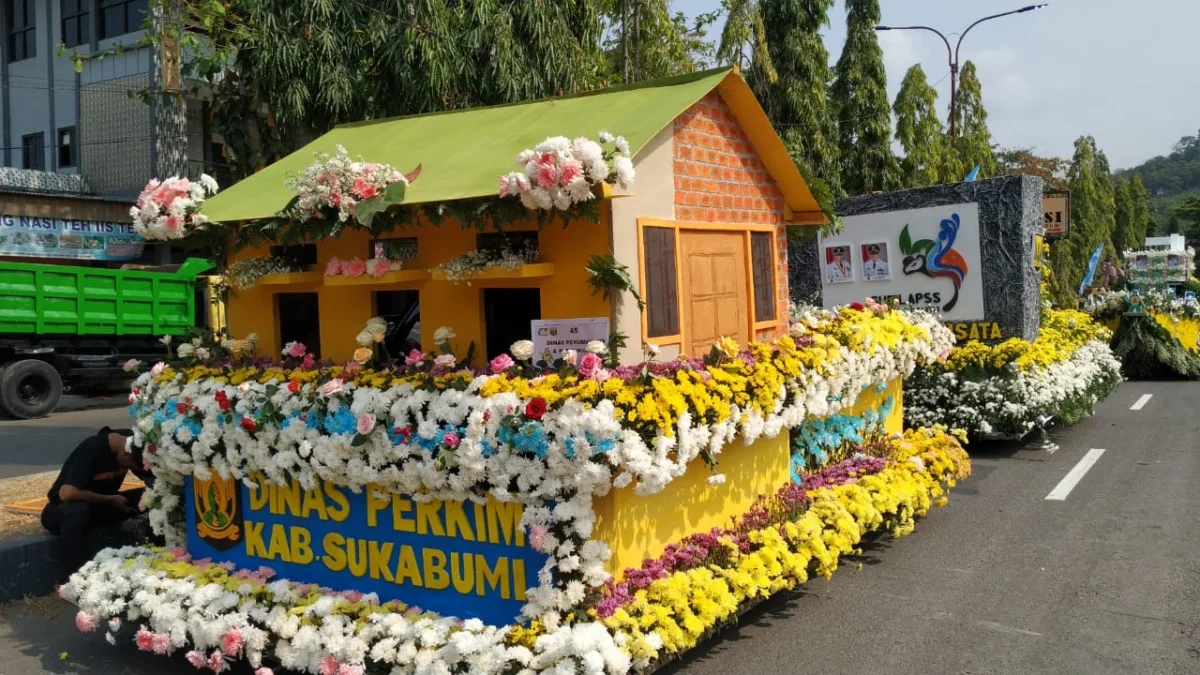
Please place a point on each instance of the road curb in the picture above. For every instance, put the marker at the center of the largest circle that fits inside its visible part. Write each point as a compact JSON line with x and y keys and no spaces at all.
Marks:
{"x":30,"y":562}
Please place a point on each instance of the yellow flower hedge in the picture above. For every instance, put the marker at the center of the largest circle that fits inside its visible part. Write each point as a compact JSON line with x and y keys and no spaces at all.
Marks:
{"x":1062,"y":333}
{"x":673,"y":614}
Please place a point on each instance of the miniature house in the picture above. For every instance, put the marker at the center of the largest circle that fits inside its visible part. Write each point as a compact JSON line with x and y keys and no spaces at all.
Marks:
{"x":702,"y":231}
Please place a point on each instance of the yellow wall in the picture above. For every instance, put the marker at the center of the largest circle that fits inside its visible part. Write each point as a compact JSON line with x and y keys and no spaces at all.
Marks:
{"x":344,"y":310}
{"x":1184,"y":330}
{"x":640,"y":527}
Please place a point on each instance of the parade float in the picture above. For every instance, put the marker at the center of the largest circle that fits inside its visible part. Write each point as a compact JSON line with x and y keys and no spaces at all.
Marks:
{"x":971,"y":253}
{"x":645,"y":447}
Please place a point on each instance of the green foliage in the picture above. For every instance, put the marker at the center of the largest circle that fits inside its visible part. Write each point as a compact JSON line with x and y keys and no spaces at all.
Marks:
{"x":974,"y":142}
{"x":1141,"y":224}
{"x":1123,"y":204}
{"x":1062,"y":270}
{"x":791,"y":82}
{"x":609,"y":278}
{"x":1170,"y":179}
{"x":859,"y":103}
{"x":1187,"y":215}
{"x":1092,"y":205}
{"x":656,"y":42}
{"x":1149,"y":352}
{"x":919,"y":132}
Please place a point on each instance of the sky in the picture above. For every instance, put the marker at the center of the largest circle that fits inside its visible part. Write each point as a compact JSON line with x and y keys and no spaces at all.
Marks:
{"x":1124,"y":71}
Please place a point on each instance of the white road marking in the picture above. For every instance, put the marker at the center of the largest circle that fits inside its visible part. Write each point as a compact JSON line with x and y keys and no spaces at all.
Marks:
{"x":1141,"y":402}
{"x":1069,"y":481}
{"x":1001,"y":628}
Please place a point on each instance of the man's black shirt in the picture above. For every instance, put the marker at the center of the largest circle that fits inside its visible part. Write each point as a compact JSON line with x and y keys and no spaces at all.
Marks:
{"x":92,"y":466}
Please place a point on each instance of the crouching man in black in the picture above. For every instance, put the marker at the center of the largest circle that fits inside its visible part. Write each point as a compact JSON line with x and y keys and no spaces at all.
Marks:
{"x":86,"y":494}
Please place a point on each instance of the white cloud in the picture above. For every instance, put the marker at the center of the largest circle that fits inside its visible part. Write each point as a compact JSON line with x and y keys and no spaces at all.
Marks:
{"x":1003,"y":58}
{"x":1011,"y":92}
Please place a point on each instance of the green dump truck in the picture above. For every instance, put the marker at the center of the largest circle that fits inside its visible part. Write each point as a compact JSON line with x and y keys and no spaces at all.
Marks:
{"x":69,"y":327}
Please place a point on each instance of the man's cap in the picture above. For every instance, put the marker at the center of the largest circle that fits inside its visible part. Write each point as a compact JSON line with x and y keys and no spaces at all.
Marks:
{"x":873,"y":248}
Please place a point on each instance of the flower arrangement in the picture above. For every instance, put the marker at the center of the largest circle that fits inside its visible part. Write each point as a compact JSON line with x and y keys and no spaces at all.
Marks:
{"x":477,"y":261}
{"x":1016,"y":386}
{"x":559,"y":173}
{"x":170,"y":209}
{"x":340,"y":188}
{"x":221,"y":616}
{"x":357,"y":267}
{"x":245,"y":274}
{"x":1112,"y":304}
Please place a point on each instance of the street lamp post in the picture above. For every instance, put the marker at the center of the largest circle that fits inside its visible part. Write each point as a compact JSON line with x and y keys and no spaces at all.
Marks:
{"x":952,"y":55}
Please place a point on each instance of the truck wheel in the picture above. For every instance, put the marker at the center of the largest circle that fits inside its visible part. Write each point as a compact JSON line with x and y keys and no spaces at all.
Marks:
{"x":29,"y":389}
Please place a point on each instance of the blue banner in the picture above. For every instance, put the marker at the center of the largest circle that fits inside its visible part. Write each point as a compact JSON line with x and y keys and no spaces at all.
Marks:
{"x":1091,"y":272}
{"x":455,"y":558}
{"x":35,"y":237}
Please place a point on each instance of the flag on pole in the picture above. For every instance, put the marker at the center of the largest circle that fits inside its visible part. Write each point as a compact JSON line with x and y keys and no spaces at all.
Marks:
{"x":1091,"y":272}
{"x":973,"y":175}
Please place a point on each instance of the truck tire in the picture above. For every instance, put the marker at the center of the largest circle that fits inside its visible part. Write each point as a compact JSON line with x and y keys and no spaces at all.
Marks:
{"x":29,"y":389}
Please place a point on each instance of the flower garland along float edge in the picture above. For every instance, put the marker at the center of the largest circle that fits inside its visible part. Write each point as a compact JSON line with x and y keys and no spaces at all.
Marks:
{"x":550,"y":441}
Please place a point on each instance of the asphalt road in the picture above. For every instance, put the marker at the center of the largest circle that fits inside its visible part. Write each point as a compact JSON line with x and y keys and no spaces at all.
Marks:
{"x":1000,"y":582}
{"x":33,"y":446}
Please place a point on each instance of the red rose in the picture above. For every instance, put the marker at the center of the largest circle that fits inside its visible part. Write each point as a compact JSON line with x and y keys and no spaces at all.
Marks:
{"x":857,"y":305}
{"x":152,"y":449}
{"x":181,"y":408}
{"x":487,"y":415}
{"x":536,"y":409}
{"x":248,"y":425}
{"x":222,"y":400}
{"x":293,"y":386}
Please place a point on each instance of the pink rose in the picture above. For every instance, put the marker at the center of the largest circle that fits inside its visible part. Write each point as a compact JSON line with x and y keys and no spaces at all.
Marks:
{"x":602,"y":375}
{"x":297,"y":350}
{"x":414,"y":357}
{"x":157,"y":369}
{"x":232,"y":642}
{"x":309,"y":361}
{"x":501,"y":364}
{"x":197,"y":659}
{"x":216,"y":662}
{"x":144,"y":639}
{"x":161,"y":644}
{"x":378,"y":267}
{"x":329,"y":665}
{"x":333,"y":267}
{"x":86,"y":622}
{"x":451,"y":439}
{"x":365,"y":424}
{"x":537,"y":537}
{"x":355,"y":268}
{"x":332,"y":387}
{"x":264,"y":671}
{"x":445,"y":361}
{"x":589,"y":364}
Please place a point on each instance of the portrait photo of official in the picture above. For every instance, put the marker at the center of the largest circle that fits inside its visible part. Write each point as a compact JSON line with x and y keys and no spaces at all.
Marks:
{"x":838,"y":266}
{"x":875,"y":261}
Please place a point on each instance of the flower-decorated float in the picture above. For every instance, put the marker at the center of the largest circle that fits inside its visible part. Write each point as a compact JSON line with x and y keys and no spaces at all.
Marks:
{"x":584,"y":461}
{"x":971,"y":253}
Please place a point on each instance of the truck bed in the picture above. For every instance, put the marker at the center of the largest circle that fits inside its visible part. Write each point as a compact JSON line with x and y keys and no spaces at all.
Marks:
{"x":63,"y":300}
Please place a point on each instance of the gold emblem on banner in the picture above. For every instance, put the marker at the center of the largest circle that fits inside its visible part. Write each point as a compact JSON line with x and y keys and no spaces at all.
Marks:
{"x":217,"y":517}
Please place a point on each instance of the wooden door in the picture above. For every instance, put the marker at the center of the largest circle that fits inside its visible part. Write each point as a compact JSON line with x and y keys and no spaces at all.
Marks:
{"x":715,"y":289}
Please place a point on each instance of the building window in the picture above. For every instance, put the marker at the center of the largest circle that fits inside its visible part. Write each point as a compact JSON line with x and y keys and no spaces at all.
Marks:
{"x":763,"y":271}
{"x":33,"y":151}
{"x":66,"y":147}
{"x":76,"y":22}
{"x":118,"y":17}
{"x":22,"y":42}
{"x":661,"y":291}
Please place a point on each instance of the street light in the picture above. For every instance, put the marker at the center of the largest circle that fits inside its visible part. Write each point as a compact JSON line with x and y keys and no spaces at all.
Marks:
{"x":952,"y":55}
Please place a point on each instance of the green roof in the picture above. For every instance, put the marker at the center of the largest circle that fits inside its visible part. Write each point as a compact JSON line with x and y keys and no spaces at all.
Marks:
{"x":464,"y":152}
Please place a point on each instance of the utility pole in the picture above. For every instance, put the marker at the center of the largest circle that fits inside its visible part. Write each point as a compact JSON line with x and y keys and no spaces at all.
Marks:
{"x":166,"y":97}
{"x":625,"y":40}
{"x":952,"y":56}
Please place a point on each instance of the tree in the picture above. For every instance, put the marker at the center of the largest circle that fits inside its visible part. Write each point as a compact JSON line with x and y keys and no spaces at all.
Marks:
{"x":645,"y":36}
{"x":1092,"y":220}
{"x":1186,"y":218}
{"x":281,"y":73}
{"x":1141,"y":223}
{"x":1023,"y":161}
{"x":860,"y":105}
{"x":790,"y":81}
{"x":919,"y":130}
{"x":1123,"y":203}
{"x":973,"y":144}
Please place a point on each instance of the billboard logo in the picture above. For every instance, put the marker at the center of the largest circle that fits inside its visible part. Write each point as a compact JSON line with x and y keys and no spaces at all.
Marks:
{"x":936,"y":259}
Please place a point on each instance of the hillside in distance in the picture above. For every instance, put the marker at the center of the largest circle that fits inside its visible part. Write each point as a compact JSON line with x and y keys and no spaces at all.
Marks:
{"x":1170,"y":178}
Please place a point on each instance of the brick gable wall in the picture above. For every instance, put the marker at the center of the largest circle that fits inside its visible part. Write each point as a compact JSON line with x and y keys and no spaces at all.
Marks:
{"x":719,"y":178}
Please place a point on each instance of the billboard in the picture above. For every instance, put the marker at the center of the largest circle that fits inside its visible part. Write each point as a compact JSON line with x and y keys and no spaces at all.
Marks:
{"x":1056,"y":215}
{"x":926,"y":258}
{"x":36,"y":237}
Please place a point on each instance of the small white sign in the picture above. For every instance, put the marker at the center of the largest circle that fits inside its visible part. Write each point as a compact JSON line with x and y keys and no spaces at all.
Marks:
{"x":552,"y":337}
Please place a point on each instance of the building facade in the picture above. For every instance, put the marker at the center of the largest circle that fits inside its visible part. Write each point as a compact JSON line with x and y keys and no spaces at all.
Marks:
{"x":90,"y":122}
